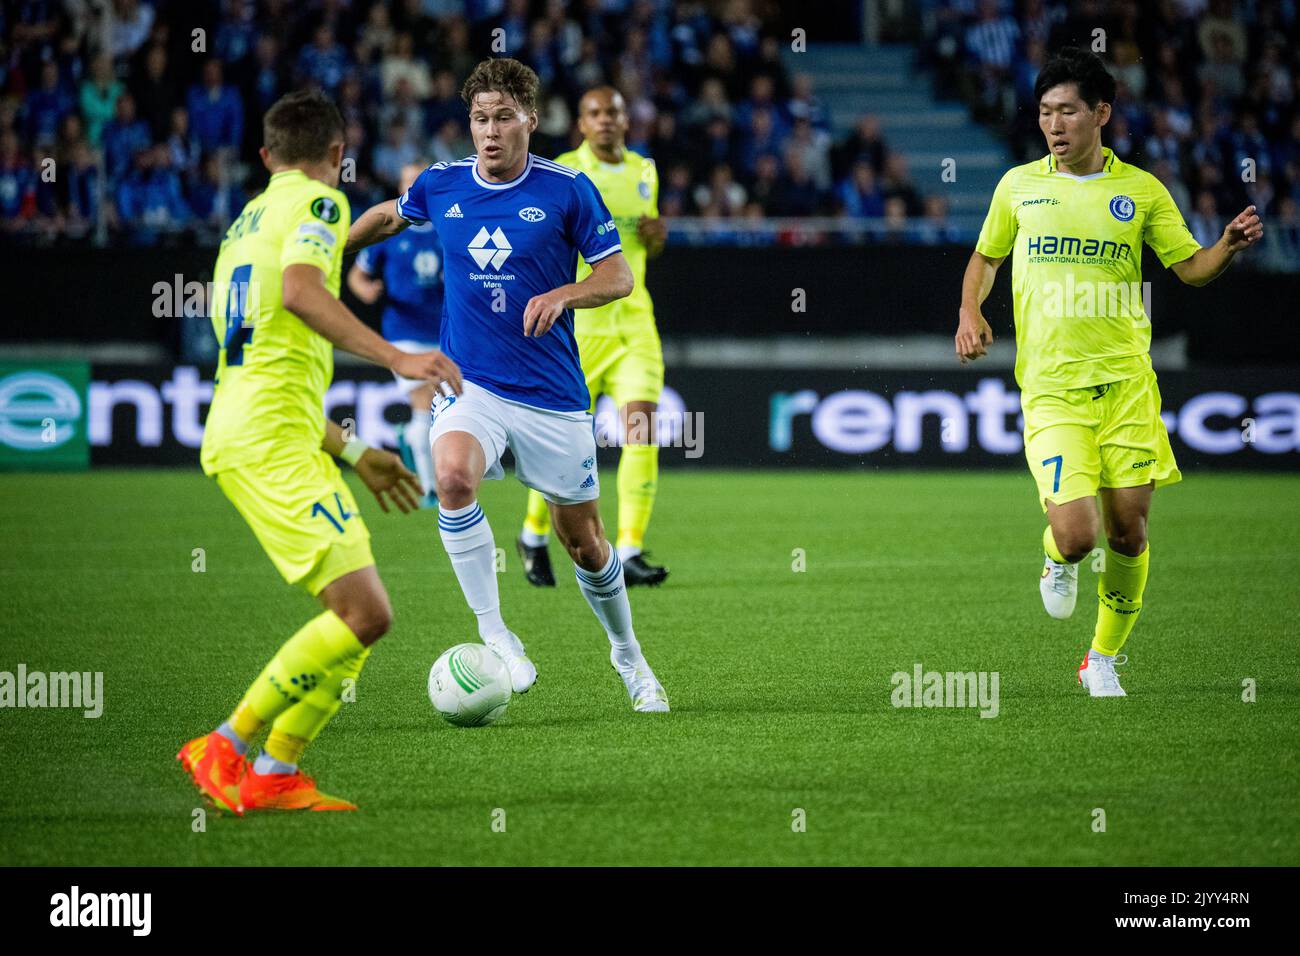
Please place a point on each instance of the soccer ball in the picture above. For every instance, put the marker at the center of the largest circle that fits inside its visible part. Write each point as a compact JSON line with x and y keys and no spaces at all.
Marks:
{"x":469,"y":685}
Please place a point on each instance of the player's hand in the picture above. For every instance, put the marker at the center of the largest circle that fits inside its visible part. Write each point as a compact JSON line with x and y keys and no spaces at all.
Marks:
{"x":541,"y":313}
{"x":429,"y":367}
{"x":1244,"y":231}
{"x":974,"y":335}
{"x":386,"y":476}
{"x":652,"y":231}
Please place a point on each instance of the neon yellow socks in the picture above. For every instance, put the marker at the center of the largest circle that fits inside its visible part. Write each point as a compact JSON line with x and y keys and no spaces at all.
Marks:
{"x":1119,"y":589}
{"x":297,"y":669}
{"x":302,"y":723}
{"x":638,"y":479}
{"x":538,"y":519}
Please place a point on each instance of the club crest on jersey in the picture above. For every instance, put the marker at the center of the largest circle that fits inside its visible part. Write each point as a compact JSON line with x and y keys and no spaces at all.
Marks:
{"x":643,"y":188}
{"x":325,"y":209}
{"x":1122,"y":208}
{"x":532,"y":214}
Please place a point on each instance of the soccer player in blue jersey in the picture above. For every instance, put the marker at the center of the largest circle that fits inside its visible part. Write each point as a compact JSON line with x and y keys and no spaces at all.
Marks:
{"x":512,"y":227}
{"x":406,"y":272}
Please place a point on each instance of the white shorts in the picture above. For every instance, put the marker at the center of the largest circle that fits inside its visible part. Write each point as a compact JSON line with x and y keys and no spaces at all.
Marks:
{"x":555,"y":452}
{"x":408,"y":385}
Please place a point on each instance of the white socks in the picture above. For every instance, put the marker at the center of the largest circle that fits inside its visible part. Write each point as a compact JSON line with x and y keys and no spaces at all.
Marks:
{"x":532,"y":539}
{"x":606,"y":592}
{"x":627,"y":552}
{"x":416,"y":434}
{"x":468,"y":539}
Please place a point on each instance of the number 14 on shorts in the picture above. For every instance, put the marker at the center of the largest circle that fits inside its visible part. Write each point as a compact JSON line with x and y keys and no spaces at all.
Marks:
{"x":319,"y":509}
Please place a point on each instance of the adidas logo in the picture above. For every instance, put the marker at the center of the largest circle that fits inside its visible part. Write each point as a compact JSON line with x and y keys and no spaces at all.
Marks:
{"x":454,"y":212}
{"x":494,"y":248}
{"x":591,"y":481}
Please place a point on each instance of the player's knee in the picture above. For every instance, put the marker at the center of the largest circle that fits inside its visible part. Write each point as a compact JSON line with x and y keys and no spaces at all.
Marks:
{"x":587,"y":551}
{"x":455,"y":485}
{"x":369,"y":618}
{"x":1128,"y":541}
{"x":1075,"y":544}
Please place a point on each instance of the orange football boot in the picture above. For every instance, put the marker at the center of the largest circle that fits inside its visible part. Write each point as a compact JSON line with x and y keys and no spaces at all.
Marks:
{"x":285,"y":791}
{"x":216,"y":768}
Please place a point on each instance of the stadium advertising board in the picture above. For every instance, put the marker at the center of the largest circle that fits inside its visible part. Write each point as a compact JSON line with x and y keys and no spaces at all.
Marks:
{"x":43,"y":416}
{"x":153,"y":415}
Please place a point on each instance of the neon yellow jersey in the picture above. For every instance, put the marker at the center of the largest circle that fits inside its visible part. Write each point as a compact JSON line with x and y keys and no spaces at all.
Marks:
{"x":1076,"y":275}
{"x":273,"y":369}
{"x":631,"y":190}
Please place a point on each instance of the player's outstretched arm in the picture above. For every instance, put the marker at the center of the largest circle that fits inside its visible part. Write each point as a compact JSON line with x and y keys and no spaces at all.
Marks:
{"x":610,"y":279}
{"x":382,"y":471}
{"x":974,"y":335}
{"x":375,"y":225}
{"x":1207,"y":263}
{"x":303,"y":293}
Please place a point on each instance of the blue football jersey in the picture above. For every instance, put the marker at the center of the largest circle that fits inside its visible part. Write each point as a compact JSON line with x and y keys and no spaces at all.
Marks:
{"x":504,"y":243}
{"x":410,"y":263}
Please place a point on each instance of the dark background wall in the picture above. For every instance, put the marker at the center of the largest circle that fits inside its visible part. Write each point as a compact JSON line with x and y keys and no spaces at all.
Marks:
{"x":1244,"y":317}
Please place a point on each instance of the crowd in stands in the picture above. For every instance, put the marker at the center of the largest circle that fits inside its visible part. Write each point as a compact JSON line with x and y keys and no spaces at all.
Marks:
{"x":139,"y":120}
{"x":1207,"y":98}
{"x":118,"y":116}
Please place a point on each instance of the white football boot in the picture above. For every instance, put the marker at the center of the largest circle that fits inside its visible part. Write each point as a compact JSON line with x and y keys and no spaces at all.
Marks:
{"x":1097,"y":674}
{"x":508,"y":647}
{"x":648,"y":695}
{"x":1059,"y":585}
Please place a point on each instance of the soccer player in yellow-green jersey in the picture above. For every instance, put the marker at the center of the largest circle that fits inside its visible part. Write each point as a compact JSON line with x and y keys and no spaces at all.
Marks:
{"x":618,"y":343}
{"x":277,"y":319}
{"x":1074,"y":223}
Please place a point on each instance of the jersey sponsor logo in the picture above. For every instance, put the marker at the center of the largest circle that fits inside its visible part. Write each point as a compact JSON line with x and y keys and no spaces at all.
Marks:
{"x":1070,"y":247}
{"x":1144,"y":464}
{"x":490,"y":248}
{"x":326,"y":209}
{"x":1040,"y":202}
{"x":532,"y":214}
{"x":454,"y":212}
{"x":605,"y":227}
{"x":1123,"y":208}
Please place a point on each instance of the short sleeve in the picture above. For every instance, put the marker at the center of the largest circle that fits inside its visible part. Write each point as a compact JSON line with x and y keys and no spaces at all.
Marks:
{"x":591,"y":227}
{"x":413,"y":204}
{"x":998,"y":235}
{"x":1165,"y":231}
{"x":317,"y":233}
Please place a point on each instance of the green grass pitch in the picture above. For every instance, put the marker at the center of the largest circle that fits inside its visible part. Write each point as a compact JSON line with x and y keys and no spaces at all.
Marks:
{"x":779,"y":681}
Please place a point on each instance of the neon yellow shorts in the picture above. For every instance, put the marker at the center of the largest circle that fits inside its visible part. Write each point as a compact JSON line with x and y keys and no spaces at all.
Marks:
{"x":304,"y":516}
{"x":628,"y":367}
{"x":1105,"y":436}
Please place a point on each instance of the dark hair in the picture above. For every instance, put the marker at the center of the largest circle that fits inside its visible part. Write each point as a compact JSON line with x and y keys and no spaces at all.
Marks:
{"x":1085,"y":70}
{"x":301,"y":127}
{"x":506,"y":76}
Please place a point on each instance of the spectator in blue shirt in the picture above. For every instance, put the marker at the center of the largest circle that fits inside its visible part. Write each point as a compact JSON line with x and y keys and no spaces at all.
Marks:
{"x":860,"y":195}
{"x":216,"y":112}
{"x":324,"y":62}
{"x":149,"y":201}
{"x":46,"y":106}
{"x":124,"y":136}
